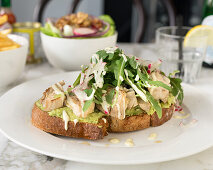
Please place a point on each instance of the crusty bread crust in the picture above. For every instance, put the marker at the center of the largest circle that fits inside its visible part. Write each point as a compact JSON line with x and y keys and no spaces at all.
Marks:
{"x":130,"y":123}
{"x":55,"y":125}
{"x":139,"y":122}
{"x":166,"y":115}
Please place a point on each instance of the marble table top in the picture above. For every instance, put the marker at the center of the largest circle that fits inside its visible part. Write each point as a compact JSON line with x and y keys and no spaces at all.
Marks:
{"x":16,"y":157}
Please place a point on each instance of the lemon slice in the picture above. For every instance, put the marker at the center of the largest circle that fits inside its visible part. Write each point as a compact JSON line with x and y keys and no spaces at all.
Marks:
{"x":199,"y":35}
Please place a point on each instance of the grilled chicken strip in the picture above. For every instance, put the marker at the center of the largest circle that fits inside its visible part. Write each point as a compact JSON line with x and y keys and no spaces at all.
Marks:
{"x":144,"y":105}
{"x":119,"y":108}
{"x":75,"y":105}
{"x":126,"y":100}
{"x":159,"y":93}
{"x":131,"y":99}
{"x":53,"y":97}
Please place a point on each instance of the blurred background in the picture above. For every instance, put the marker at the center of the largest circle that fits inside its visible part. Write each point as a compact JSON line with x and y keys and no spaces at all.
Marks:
{"x":156,"y":13}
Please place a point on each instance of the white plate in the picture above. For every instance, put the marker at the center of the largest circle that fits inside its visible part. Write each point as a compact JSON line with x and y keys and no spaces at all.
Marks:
{"x":177,"y":141}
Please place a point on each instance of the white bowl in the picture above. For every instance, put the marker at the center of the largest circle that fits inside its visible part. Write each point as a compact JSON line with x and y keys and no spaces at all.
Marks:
{"x":12,"y":62}
{"x":70,"y":54}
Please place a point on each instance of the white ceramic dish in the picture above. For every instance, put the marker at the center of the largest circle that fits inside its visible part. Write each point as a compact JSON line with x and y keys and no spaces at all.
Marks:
{"x":177,"y":141}
{"x":12,"y":62}
{"x":70,"y":54}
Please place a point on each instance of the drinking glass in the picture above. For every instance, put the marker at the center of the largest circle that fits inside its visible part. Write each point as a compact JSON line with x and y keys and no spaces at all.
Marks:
{"x":178,"y":54}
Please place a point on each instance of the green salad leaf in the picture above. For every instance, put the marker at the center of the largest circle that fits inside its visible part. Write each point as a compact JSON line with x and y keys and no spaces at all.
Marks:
{"x":110,"y":96}
{"x":77,"y":81}
{"x":108,"y":19}
{"x":177,"y":90}
{"x":87,"y":105}
{"x":51,"y":30}
{"x":155,"y":104}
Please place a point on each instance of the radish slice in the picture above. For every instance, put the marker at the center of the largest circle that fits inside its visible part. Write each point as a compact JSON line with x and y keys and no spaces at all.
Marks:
{"x":84,"y":31}
{"x":95,"y":34}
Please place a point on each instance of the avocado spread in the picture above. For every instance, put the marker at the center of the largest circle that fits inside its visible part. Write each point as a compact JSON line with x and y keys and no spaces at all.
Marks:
{"x":91,"y":118}
{"x":171,"y":100}
{"x":134,"y":111}
{"x":95,"y":116}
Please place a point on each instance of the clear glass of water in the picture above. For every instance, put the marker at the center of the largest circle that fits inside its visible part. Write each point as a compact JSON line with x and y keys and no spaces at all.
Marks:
{"x":176,"y":54}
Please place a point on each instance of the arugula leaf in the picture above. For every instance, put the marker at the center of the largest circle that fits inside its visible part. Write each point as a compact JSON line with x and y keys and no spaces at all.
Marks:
{"x":119,"y":73}
{"x":110,"y":56}
{"x":77,"y":81}
{"x":144,"y":70}
{"x":173,"y":73}
{"x":110,"y":96}
{"x":139,"y":91}
{"x":155,"y":104}
{"x":88,"y":91}
{"x":155,"y":83}
{"x":160,"y":84}
{"x":87,"y":105}
{"x":130,"y":74}
{"x":97,"y":101}
{"x":98,"y":95}
{"x":177,"y":90}
{"x":102,"y":54}
{"x":133,"y":63}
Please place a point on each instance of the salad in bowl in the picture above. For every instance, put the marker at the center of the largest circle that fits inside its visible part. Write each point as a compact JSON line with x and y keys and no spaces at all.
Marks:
{"x":79,"y":25}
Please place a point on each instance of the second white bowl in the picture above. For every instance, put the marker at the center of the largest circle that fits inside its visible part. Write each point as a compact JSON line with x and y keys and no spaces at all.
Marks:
{"x":13,"y":61}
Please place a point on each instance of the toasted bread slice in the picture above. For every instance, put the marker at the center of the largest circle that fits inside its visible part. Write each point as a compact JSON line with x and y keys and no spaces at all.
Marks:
{"x":55,"y":125}
{"x":130,"y":123}
{"x":166,"y":115}
{"x":139,"y":122}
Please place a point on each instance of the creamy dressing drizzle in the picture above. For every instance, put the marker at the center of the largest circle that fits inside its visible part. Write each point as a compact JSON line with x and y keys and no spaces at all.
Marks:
{"x":137,"y":77}
{"x":124,"y":57}
{"x":152,"y":136}
{"x":124,"y":109}
{"x":129,"y":142}
{"x":114,"y":140}
{"x":104,"y":120}
{"x":110,"y":50}
{"x":75,"y":121}
{"x":119,"y":111}
{"x":121,"y":78}
{"x":105,"y":105}
{"x":181,"y":117}
{"x":147,"y":84}
{"x":139,"y":92}
{"x":95,"y":58}
{"x":66,"y":119}
{"x":85,"y":143}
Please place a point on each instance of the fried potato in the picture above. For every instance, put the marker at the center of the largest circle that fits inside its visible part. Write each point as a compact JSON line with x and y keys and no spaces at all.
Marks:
{"x":7,"y":44}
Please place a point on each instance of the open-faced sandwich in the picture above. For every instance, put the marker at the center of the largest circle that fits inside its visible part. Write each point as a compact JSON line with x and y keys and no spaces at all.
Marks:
{"x":115,"y":93}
